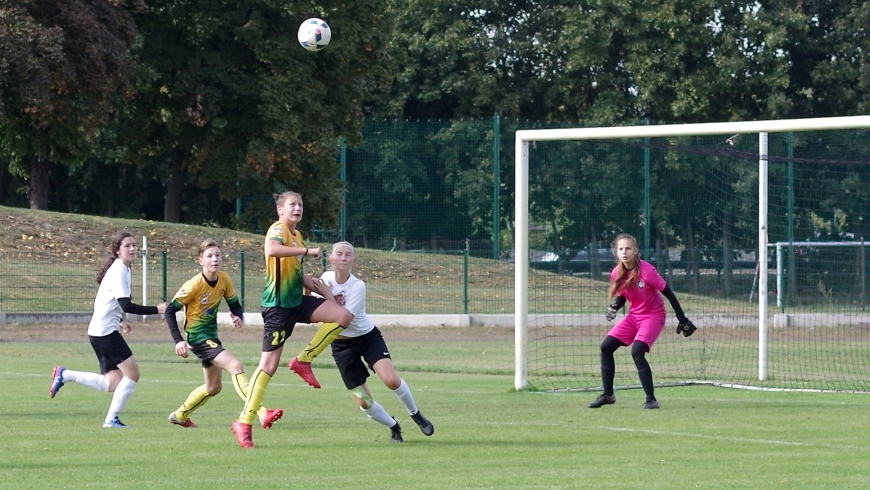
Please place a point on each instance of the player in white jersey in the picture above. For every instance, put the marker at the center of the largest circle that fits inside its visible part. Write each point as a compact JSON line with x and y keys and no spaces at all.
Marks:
{"x":119,"y":371}
{"x":361,"y":344}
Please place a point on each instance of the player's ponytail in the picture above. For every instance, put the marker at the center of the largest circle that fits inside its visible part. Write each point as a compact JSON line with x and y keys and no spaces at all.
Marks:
{"x":116,"y":246}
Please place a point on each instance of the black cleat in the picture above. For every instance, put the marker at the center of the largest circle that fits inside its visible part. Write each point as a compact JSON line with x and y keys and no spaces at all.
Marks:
{"x":423,"y":423}
{"x":396,"y":433}
{"x":651,"y":404}
{"x":603,"y":400}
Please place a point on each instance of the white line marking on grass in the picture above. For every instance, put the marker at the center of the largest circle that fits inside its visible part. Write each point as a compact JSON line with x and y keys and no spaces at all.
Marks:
{"x":728,"y":438}
{"x":742,"y":401}
{"x":48,"y":376}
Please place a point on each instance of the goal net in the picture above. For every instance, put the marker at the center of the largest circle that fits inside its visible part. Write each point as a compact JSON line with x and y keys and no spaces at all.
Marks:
{"x":759,"y":228}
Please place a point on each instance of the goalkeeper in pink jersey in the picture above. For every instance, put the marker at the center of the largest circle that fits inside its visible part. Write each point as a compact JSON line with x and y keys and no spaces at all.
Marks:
{"x":638,"y":282}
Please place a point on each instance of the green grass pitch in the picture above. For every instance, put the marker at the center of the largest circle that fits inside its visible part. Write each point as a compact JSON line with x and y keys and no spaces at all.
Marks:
{"x":487,"y":435}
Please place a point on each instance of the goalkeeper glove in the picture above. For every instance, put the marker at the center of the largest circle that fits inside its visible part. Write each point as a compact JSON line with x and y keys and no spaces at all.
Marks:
{"x":686,"y":327}
{"x":614,"y":306}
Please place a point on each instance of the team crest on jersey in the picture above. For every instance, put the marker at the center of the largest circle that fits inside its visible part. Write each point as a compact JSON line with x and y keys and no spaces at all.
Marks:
{"x":640,"y":284}
{"x":339,"y":298}
{"x":203,"y":300}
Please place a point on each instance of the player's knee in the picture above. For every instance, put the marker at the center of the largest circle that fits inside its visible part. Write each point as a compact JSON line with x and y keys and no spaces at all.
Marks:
{"x":610,"y":344}
{"x":639,"y":350}
{"x":235,"y":367}
{"x":392,"y":382}
{"x":132,"y":372}
{"x":346,"y":318}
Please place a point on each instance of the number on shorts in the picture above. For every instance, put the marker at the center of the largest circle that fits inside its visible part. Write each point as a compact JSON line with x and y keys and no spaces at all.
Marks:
{"x":211,"y":343}
{"x":278,"y":337}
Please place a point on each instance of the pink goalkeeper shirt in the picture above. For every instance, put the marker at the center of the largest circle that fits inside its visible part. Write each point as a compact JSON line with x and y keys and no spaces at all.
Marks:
{"x":646,"y":316}
{"x":645,"y":294}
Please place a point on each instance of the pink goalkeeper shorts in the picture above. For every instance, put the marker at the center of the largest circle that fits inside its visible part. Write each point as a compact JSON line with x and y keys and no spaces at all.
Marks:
{"x":645,"y":328}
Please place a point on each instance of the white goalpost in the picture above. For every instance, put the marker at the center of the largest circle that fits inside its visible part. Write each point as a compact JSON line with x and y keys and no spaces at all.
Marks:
{"x":522,"y":219}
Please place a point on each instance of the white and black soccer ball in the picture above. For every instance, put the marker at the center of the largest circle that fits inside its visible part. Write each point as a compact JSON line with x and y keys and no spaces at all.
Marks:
{"x":314,"y":34}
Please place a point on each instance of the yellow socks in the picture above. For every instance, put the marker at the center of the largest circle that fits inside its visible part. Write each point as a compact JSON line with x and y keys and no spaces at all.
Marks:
{"x":240,"y":383}
{"x":260,"y":379}
{"x":322,"y":338}
{"x":197,"y":398}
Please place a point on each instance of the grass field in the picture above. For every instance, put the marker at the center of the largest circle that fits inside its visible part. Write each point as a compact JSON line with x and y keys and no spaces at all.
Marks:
{"x":487,"y":435}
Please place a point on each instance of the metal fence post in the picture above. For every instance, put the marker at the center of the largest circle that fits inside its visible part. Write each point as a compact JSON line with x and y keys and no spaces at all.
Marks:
{"x":496,"y":234}
{"x":465,"y":277}
{"x":242,"y":279}
{"x":163,"y":260}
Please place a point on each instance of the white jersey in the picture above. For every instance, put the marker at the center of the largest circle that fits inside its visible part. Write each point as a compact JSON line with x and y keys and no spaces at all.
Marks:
{"x":117,"y":283}
{"x":351,"y":295}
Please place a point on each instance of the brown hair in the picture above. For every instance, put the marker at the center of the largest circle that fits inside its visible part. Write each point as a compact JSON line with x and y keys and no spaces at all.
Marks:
{"x":280,"y":198}
{"x":621,"y":280}
{"x":207,"y":244}
{"x":116,"y":245}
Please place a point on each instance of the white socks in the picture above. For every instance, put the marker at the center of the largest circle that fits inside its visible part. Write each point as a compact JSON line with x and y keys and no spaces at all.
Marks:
{"x":119,"y":399}
{"x":377,"y":413}
{"x":93,"y":381}
{"x":403,"y":393}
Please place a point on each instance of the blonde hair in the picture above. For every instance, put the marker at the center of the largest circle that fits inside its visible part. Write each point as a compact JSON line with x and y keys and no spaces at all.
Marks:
{"x":626,"y":276}
{"x":280,"y":198}
{"x":341,"y":244}
{"x":207,"y":244}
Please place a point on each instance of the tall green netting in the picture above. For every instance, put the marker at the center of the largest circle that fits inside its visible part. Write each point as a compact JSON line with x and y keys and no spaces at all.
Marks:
{"x":422,"y":192}
{"x":699,"y":227}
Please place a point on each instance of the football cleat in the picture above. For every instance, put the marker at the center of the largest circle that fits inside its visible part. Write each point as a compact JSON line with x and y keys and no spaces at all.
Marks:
{"x":271,"y":417}
{"x":303,"y":369}
{"x":651,"y":404}
{"x":187,"y":423}
{"x":56,"y":380}
{"x":115,"y":423}
{"x":243,"y":433}
{"x":603,"y":400}
{"x":396,"y":433}
{"x":423,"y":423}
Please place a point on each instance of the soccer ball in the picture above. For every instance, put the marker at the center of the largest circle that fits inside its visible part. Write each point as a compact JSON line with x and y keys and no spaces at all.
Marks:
{"x":314,"y":34}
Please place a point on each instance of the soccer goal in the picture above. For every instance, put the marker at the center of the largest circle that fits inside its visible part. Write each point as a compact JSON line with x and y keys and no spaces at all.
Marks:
{"x":759,"y":227}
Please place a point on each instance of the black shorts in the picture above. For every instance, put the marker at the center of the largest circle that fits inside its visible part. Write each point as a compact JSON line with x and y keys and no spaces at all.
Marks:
{"x":206,"y":351}
{"x":349,"y":355}
{"x":111,"y":350}
{"x":278,"y":322}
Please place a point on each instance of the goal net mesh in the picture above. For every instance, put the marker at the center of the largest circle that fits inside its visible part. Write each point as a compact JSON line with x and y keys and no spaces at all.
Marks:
{"x":702,"y":206}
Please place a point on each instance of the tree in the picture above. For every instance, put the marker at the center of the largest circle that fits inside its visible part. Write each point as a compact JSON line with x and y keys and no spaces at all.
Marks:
{"x":64,"y":66}
{"x":473,"y":58}
{"x":229,"y":100}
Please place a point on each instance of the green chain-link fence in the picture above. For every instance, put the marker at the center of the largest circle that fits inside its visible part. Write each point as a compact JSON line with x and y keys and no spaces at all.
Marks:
{"x":432,"y":217}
